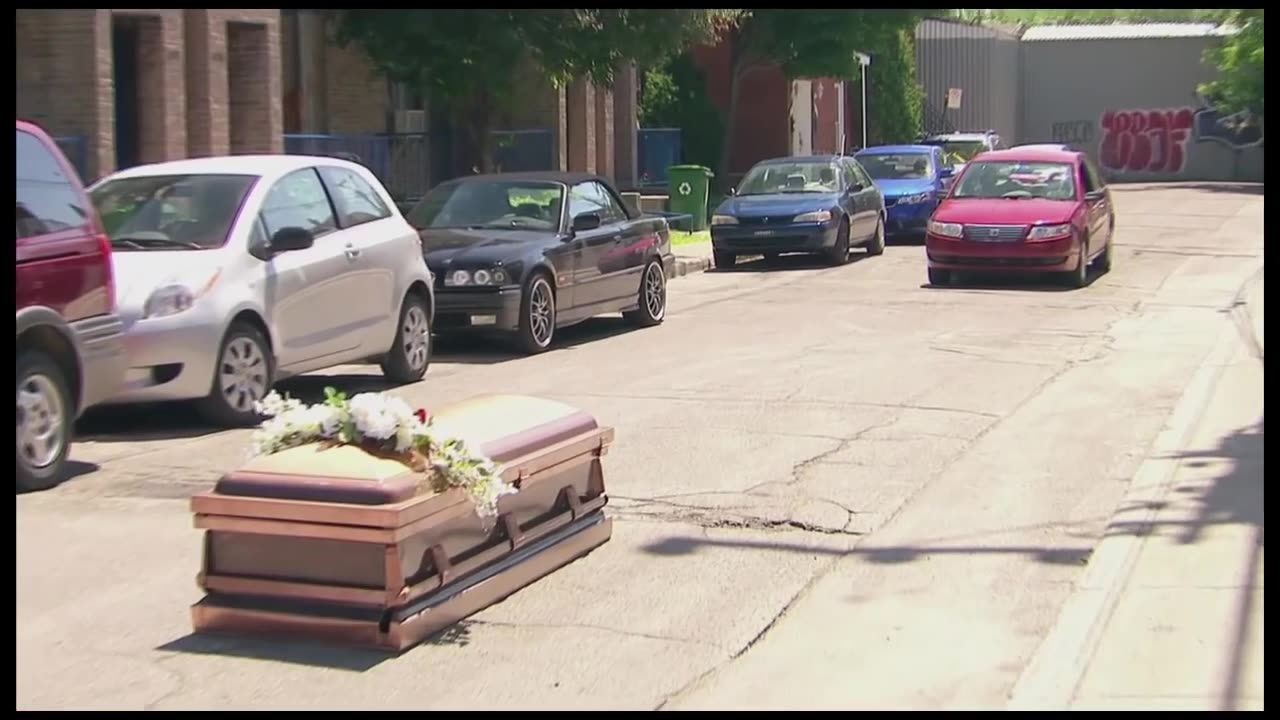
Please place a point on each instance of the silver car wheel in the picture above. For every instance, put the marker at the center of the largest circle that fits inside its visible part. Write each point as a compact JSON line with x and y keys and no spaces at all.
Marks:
{"x":414,"y":338}
{"x":655,"y":295}
{"x":542,"y":312}
{"x":41,"y":421}
{"x":242,"y":374}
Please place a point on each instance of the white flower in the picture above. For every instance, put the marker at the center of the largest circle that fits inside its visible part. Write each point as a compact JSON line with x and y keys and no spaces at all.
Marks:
{"x":404,"y":437}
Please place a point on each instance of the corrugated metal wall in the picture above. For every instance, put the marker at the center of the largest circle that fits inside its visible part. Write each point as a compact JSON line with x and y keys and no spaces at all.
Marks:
{"x":983,"y":63}
{"x":1140,"y":93}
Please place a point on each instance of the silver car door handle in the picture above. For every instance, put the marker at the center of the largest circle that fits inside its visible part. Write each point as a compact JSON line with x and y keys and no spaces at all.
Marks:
{"x":351,"y":252}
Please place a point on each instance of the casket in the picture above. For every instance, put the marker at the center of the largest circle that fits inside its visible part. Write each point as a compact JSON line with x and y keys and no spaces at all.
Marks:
{"x":337,"y":544}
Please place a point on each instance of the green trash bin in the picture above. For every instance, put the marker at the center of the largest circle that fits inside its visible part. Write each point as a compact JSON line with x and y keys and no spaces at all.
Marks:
{"x":688,"y":187}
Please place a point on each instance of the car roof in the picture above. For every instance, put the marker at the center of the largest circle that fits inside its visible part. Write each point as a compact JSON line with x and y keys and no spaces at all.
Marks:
{"x":801,"y":158}
{"x":1042,"y":146}
{"x":891,"y":149}
{"x":567,"y":178}
{"x":980,"y":135}
{"x":265,"y":166}
{"x":1028,"y":154}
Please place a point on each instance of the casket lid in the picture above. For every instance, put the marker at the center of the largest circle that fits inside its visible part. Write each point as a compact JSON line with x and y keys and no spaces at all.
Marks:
{"x":324,"y":472}
{"x":505,"y":427}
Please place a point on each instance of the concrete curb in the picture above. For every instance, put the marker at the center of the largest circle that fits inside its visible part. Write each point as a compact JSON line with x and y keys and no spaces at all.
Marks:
{"x":1051,"y":679}
{"x":1249,"y":310}
{"x":690,"y":265}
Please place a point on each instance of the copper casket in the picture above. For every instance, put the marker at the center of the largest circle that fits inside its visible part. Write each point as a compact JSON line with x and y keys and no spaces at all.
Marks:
{"x":333,"y":543}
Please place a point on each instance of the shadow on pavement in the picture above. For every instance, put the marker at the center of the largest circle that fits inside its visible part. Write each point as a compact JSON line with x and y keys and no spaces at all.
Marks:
{"x":74,"y":469}
{"x":138,"y":423}
{"x":483,"y":349}
{"x":1034,"y":282}
{"x":794,"y":262}
{"x":1234,"y":497}
{"x":308,"y":653}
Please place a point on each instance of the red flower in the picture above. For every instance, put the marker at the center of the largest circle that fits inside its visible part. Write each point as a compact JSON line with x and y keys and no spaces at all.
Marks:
{"x":421,"y":414}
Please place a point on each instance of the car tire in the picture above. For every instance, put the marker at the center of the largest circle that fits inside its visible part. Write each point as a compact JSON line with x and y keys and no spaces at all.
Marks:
{"x":876,"y":247}
{"x":242,"y":376}
{"x":410,"y":355}
{"x":652,"y":308}
{"x":537,"y":315}
{"x":1103,"y":261}
{"x":839,"y":253}
{"x":46,"y":417}
{"x":1079,"y":277}
{"x":723,"y":260}
{"x":939,"y":277}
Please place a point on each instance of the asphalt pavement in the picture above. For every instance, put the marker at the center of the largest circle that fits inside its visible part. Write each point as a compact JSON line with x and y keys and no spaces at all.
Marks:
{"x":832,"y":487}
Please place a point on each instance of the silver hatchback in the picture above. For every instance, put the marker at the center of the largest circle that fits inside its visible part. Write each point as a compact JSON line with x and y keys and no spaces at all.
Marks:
{"x":234,"y":272}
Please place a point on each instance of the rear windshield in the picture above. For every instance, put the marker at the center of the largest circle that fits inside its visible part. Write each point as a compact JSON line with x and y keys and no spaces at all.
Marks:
{"x":1013,"y":179}
{"x":170,"y":212}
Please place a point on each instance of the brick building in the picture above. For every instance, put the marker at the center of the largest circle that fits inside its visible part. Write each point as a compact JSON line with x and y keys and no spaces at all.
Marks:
{"x":123,"y":87}
{"x":137,"y":86}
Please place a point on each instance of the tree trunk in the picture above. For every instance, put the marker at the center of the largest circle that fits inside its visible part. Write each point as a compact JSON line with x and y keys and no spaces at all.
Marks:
{"x":731,"y":115}
{"x":473,"y":130}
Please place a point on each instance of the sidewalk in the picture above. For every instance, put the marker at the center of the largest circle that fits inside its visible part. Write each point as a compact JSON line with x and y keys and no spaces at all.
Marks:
{"x":692,"y":258}
{"x":1169,"y":615}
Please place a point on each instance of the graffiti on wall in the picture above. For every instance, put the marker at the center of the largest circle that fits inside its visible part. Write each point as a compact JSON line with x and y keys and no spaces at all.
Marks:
{"x":1152,"y":141}
{"x":1155,"y":141}
{"x":1074,"y":132}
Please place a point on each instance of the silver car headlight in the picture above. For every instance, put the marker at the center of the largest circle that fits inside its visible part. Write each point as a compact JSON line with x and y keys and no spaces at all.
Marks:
{"x":483,"y":277}
{"x":168,"y":300}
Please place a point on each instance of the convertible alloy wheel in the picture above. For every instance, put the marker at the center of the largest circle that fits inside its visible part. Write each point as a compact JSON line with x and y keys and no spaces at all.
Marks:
{"x":537,"y":315}
{"x":652,"y":302}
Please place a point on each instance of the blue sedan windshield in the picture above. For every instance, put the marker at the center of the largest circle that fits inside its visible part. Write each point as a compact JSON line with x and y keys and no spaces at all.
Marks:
{"x":907,"y":166}
{"x":791,"y":177}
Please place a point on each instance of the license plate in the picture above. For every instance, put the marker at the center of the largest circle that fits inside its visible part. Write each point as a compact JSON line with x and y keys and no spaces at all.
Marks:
{"x":763,"y":233}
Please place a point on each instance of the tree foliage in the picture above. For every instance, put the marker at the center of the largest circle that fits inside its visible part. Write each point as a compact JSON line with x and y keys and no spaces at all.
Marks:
{"x":675,"y":95}
{"x":1239,"y":59}
{"x":468,"y":58}
{"x":818,"y":43}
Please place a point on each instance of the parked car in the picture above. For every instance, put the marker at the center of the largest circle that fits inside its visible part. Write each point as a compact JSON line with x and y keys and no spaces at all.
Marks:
{"x":70,"y":351}
{"x":912,"y":178}
{"x":1046,"y":146}
{"x":821,"y":204}
{"x":234,"y":272}
{"x":959,"y":147}
{"x":1024,"y":210}
{"x":524,"y":254}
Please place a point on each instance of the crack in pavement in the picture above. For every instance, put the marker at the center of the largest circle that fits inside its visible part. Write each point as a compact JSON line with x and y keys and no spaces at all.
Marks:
{"x":771,"y":401}
{"x":589,"y":626}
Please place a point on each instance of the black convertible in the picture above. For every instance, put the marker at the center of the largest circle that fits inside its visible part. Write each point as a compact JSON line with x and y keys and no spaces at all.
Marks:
{"x":510,"y":255}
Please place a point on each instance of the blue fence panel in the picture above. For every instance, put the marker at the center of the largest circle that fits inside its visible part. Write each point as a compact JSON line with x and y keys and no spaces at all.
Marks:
{"x":658,"y":149}
{"x":76,"y":148}
{"x":523,"y":150}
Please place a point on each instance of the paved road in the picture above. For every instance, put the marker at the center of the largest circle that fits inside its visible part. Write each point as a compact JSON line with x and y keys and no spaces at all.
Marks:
{"x":832,"y":486}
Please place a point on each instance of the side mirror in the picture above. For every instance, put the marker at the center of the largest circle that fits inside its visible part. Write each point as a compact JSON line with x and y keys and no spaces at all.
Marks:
{"x":946,"y":172}
{"x":292,"y":238}
{"x":731,"y":191}
{"x":1094,"y":195}
{"x":586,"y":221}
{"x":855,"y":187}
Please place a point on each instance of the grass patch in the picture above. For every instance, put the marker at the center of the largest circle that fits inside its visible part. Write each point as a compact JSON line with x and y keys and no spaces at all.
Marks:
{"x":679,"y":237}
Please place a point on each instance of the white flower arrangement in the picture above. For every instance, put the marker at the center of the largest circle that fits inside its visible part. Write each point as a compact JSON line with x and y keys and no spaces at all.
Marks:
{"x":386,"y":424}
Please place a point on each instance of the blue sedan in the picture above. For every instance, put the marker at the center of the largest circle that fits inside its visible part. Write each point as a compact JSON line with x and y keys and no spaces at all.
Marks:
{"x":823,"y":204}
{"x":913,"y":179}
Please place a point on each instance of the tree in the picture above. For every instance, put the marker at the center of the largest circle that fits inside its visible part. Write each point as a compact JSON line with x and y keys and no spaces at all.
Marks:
{"x":468,"y":58}
{"x":804,"y":43}
{"x":1239,"y":59}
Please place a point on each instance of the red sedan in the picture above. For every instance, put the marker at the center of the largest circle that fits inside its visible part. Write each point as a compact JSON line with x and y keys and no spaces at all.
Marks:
{"x":1023,"y":210}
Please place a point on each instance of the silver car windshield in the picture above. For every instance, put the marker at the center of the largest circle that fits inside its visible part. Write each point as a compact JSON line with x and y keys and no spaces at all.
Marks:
{"x":170,"y":212}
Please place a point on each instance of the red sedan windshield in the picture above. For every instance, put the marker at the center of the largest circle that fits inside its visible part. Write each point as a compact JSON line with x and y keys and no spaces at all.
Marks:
{"x":1017,"y":179}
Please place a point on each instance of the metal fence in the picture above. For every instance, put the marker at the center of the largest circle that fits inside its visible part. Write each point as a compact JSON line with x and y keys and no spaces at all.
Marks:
{"x":410,"y":164}
{"x":657,"y":149}
{"x":523,"y":150}
{"x":76,"y":148}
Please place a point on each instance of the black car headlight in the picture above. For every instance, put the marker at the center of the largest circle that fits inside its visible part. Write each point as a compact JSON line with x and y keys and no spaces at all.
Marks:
{"x":480,"y":277}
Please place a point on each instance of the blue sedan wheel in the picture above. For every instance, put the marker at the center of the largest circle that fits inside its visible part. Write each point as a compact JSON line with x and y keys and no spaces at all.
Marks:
{"x":839,"y":253}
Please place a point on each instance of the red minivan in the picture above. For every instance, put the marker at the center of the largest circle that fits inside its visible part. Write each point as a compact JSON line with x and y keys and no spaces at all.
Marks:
{"x":70,"y":346}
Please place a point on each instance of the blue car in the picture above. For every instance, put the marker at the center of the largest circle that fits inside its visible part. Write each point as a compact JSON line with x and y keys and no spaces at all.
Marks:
{"x":913,"y":180}
{"x":822,"y":204}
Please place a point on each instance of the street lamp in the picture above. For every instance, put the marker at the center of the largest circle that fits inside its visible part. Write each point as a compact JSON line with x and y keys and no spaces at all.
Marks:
{"x":863,"y":61}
